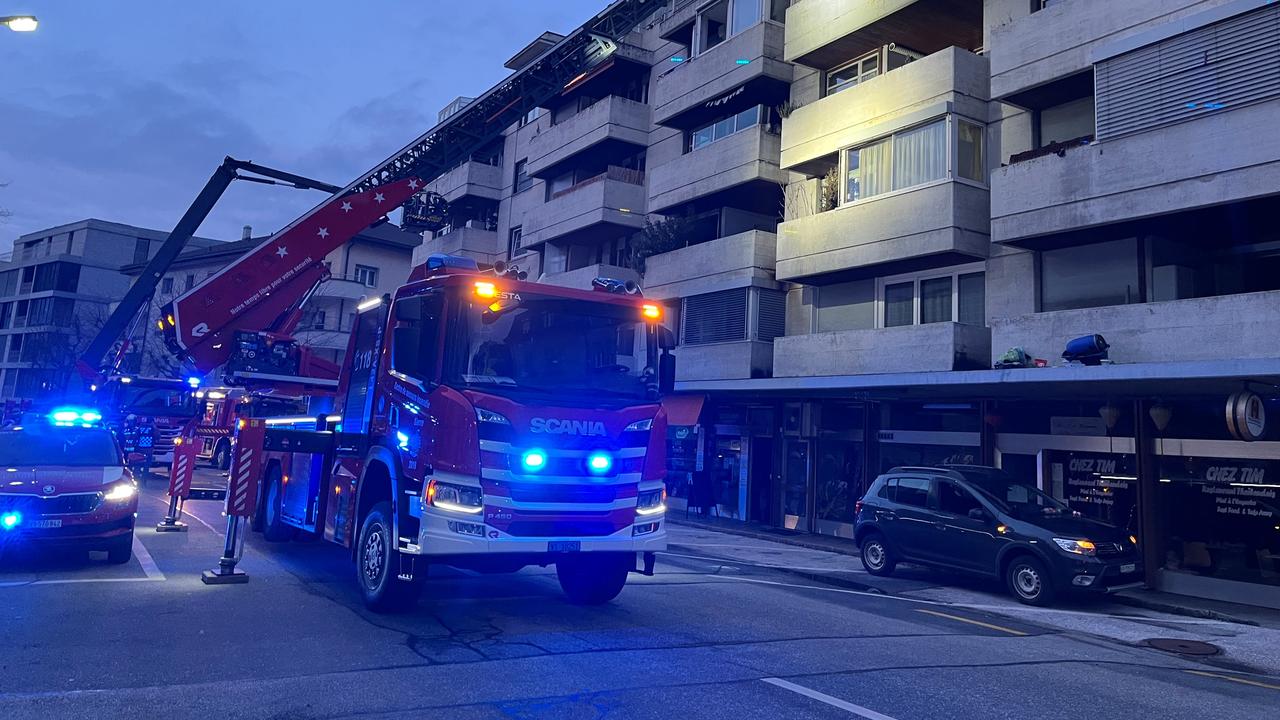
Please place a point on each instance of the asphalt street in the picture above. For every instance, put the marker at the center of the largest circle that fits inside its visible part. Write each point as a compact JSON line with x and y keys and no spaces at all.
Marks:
{"x":710,"y":636}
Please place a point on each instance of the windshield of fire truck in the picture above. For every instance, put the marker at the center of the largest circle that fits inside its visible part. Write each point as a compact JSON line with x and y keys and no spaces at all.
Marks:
{"x":136,"y":399}
{"x":552,"y":345}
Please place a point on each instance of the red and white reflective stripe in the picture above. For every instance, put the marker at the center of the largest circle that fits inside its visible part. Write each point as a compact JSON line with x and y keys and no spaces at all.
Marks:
{"x":240,"y":502}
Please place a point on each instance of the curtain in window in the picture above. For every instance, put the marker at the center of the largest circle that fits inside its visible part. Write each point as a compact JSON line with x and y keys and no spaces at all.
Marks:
{"x":919,"y":155}
{"x":970,"y":162}
{"x":935,"y":300}
{"x":875,"y":168}
{"x":899,"y":304}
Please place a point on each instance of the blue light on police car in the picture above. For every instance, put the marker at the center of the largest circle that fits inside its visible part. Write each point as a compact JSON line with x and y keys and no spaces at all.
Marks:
{"x":65,"y":416}
{"x":10,"y":520}
{"x":70,"y":416}
{"x":599,"y":462}
{"x":534,"y":460}
{"x":193,"y":382}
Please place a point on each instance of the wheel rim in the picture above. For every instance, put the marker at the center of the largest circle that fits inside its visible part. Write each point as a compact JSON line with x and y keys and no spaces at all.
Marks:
{"x":1026,"y":581}
{"x":874,"y":555}
{"x":373,"y":557}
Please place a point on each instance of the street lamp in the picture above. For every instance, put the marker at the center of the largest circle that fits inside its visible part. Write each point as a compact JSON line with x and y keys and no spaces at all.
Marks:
{"x":20,"y":23}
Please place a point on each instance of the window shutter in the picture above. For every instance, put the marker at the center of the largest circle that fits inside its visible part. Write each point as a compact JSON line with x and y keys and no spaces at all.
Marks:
{"x":714,"y":317}
{"x":1214,"y":68}
{"x":772,"y":320}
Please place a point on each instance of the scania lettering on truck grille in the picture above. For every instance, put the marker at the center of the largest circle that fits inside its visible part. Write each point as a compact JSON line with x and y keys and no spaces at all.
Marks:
{"x":553,"y":426}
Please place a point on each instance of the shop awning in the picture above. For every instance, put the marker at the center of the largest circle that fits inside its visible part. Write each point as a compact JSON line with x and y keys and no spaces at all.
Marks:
{"x":1136,"y":379}
{"x":683,"y":409}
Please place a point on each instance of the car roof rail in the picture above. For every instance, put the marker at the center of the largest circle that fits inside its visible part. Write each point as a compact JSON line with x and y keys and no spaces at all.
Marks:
{"x":946,"y":472}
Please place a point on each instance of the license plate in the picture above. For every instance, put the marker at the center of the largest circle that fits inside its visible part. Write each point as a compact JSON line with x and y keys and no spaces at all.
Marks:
{"x":44,"y":523}
{"x":1128,"y":567}
{"x":564,"y":546}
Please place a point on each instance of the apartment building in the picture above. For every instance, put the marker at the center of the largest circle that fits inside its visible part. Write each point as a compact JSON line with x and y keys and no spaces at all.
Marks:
{"x":373,"y":263}
{"x":855,"y":209}
{"x":56,"y":289}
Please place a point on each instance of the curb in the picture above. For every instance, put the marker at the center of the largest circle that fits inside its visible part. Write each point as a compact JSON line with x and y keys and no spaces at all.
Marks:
{"x":1134,"y":600}
{"x":797,"y":541}
{"x":840,"y":582}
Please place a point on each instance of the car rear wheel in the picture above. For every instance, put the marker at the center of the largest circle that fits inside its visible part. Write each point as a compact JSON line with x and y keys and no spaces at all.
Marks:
{"x":120,"y":551}
{"x":273,"y":527}
{"x":876,"y":556}
{"x":593,"y":578}
{"x":377,"y":561}
{"x":1029,"y":581}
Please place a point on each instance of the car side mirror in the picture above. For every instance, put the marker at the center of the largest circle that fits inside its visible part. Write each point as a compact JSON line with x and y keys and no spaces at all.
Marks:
{"x":978,"y":514}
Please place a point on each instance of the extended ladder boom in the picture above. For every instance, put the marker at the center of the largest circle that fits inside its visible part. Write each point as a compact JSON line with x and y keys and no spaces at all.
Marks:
{"x":263,"y":285}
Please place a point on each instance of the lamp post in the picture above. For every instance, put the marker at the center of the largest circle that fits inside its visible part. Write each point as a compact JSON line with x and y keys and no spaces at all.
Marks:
{"x":20,"y":23}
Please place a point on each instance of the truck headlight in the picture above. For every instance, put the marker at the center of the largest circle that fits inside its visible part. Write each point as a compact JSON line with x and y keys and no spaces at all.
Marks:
{"x":651,"y":502}
{"x":489,"y":416}
{"x":120,"y":492}
{"x":639,"y":426}
{"x":1076,"y":547}
{"x":457,"y":498}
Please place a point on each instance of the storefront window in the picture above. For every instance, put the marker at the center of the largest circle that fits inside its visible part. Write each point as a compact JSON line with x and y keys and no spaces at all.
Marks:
{"x":727,"y":472}
{"x":1221,"y":517}
{"x":839,"y":481}
{"x":1100,"y":486}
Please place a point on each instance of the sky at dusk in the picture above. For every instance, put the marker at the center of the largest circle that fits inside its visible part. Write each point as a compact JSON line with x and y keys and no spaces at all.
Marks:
{"x":121,"y":109}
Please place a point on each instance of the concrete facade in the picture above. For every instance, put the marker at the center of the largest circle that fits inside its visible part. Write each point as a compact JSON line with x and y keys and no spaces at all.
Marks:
{"x":934,"y":347}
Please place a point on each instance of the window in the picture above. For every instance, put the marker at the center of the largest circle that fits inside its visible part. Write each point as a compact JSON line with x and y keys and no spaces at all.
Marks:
{"x":15,"y":347}
{"x":714,"y":317}
{"x":912,"y":491}
{"x":317,"y":319}
{"x":971,"y":162}
{"x":166,"y":286}
{"x":711,"y":26}
{"x":559,"y":184}
{"x":529,"y":117}
{"x":6,"y":315}
{"x":8,"y":283}
{"x":912,"y":157}
{"x":1086,"y":276}
{"x":366,"y":275}
{"x":521,"y":180}
{"x":514,"y":237}
{"x":778,"y":10}
{"x":955,"y":500}
{"x":860,"y":70}
{"x":745,"y":14}
{"x":846,"y":306}
{"x":725,"y":127}
{"x":141,"y":250}
{"x":1067,"y":121}
{"x":188,"y":282}
{"x":950,"y":295}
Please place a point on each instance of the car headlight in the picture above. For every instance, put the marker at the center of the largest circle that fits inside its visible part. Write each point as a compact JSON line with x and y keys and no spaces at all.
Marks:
{"x":639,"y":426}
{"x":1076,"y":547}
{"x":120,"y":492}
{"x":458,"y":498}
{"x":651,"y":502}
{"x":490,"y":416}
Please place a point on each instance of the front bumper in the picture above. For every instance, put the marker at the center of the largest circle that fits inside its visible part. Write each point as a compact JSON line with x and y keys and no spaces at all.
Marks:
{"x":1099,"y":575}
{"x":84,"y":533}
{"x":446,"y":533}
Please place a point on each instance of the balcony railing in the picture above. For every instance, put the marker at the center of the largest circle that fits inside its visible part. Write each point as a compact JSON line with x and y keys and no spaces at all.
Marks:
{"x":620,"y":174}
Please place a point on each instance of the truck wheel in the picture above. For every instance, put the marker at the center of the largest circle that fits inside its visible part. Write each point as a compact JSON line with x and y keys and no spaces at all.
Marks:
{"x":120,"y":550}
{"x":377,"y":561}
{"x":273,"y":527}
{"x":221,"y":456}
{"x":593,"y":578}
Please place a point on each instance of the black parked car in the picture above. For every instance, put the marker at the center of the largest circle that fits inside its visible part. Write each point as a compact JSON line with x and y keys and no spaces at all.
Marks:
{"x":980,"y":520}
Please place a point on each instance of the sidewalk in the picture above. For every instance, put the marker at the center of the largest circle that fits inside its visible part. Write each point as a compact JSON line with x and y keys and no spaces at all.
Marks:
{"x":1148,"y":599}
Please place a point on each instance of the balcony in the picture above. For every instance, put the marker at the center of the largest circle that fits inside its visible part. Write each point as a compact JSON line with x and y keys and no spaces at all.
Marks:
{"x":582,"y":277}
{"x":471,"y":178}
{"x":941,"y":346}
{"x":938,"y":224}
{"x":735,"y":261}
{"x":1239,"y":327}
{"x":736,"y":360}
{"x":479,"y":243}
{"x":614,"y":125}
{"x":1135,"y":177}
{"x":748,"y":157}
{"x":1029,"y":50}
{"x":828,"y":33}
{"x":741,"y":71}
{"x":608,"y":205}
{"x":950,"y":79}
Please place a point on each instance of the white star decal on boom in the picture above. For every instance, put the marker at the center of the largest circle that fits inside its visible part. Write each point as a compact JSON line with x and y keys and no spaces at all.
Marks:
{"x":323,"y":232}
{"x":281,"y":251}
{"x":346,"y":207}
{"x":413,"y":184}
{"x":377,"y":197}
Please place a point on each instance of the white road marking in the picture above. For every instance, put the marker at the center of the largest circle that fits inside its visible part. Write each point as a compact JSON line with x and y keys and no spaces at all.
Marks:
{"x":836,"y":702}
{"x":721,"y":561}
{"x":149,"y":566}
{"x":74,"y":581}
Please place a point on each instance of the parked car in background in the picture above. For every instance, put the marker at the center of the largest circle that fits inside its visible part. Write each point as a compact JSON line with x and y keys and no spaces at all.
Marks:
{"x":64,"y":483}
{"x":980,"y":520}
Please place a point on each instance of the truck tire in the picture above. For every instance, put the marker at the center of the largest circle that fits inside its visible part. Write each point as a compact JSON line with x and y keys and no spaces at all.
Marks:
{"x":593,"y":578}
{"x":120,"y":551}
{"x":221,"y":459}
{"x":273,"y":527}
{"x":377,"y":561}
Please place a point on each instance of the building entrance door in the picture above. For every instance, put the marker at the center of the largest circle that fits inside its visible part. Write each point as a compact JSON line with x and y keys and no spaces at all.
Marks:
{"x":797,"y":494}
{"x":764,"y":492}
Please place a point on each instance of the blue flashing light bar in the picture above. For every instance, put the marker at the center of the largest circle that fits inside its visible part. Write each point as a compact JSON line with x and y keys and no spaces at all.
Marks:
{"x":193,"y":382}
{"x":73,"y":416}
{"x":10,"y":520}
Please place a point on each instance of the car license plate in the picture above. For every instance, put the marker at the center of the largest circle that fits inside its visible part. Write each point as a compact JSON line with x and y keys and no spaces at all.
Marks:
{"x":564,"y":546}
{"x":1128,"y":567}
{"x":44,"y":523}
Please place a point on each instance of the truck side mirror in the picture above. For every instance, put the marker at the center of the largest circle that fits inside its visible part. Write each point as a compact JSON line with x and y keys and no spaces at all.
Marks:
{"x":409,"y":309}
{"x":666,"y":373}
{"x":666,"y":338}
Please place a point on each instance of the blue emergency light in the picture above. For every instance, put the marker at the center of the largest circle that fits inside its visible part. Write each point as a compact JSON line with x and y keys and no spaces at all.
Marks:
{"x":193,"y":382}
{"x":75,"y":416}
{"x":599,"y":462}
{"x":10,"y":520}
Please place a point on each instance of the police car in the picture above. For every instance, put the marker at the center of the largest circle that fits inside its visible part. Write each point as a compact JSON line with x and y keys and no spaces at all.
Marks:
{"x":64,"y":482}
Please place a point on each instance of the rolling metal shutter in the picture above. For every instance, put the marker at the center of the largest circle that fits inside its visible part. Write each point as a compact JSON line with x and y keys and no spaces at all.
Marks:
{"x":771,"y":321}
{"x":1217,"y":67}
{"x":714,"y":317}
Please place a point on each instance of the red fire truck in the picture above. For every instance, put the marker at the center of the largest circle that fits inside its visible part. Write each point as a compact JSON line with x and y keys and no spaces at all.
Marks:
{"x":486,"y":423}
